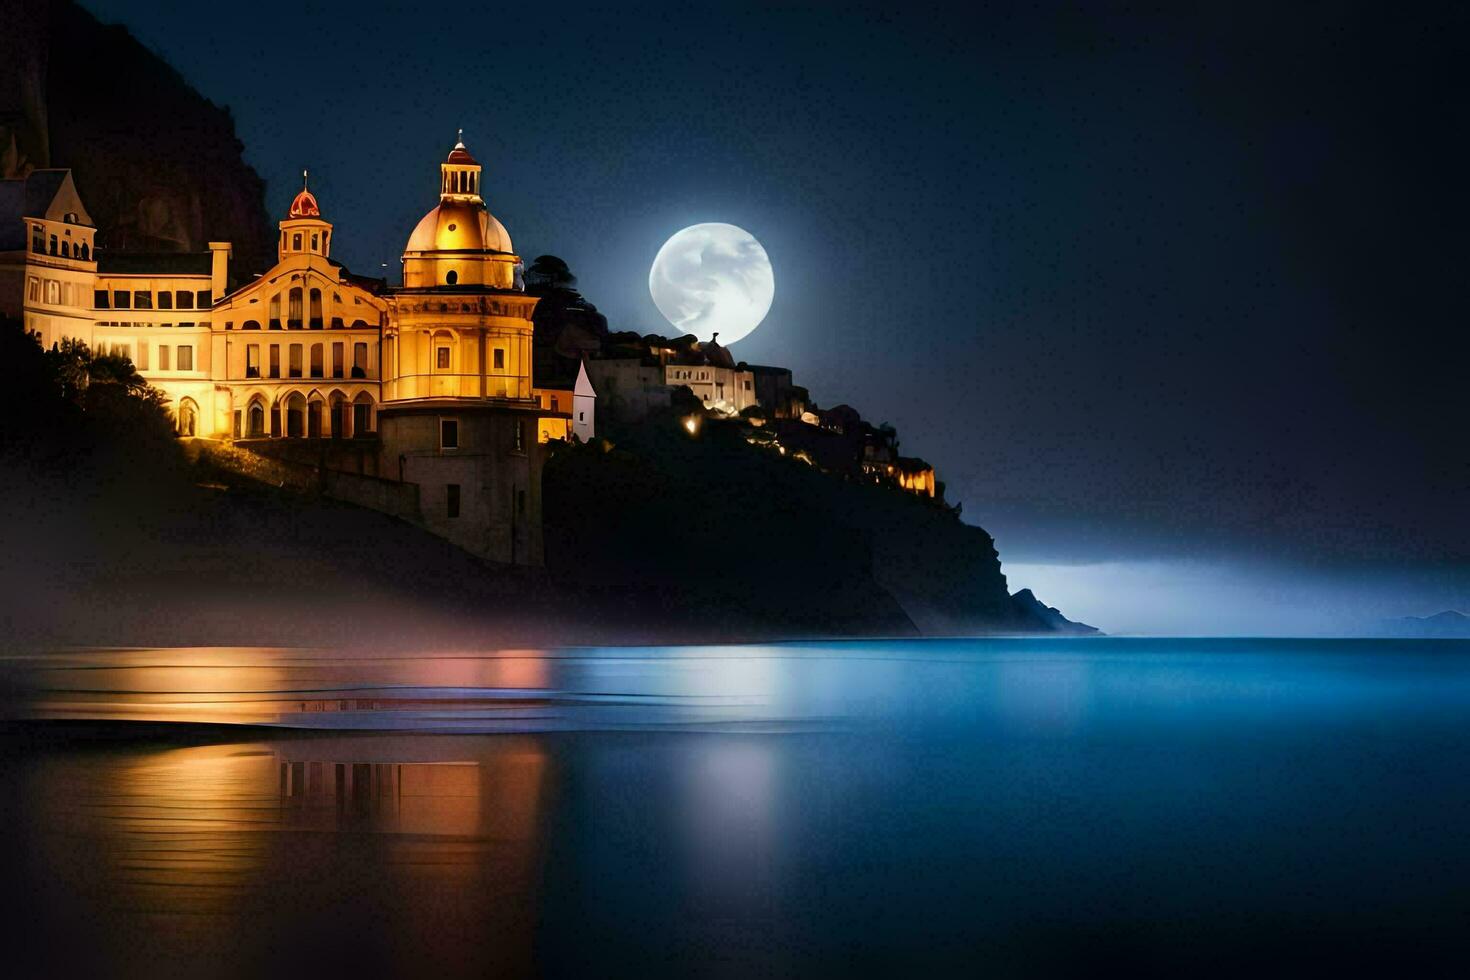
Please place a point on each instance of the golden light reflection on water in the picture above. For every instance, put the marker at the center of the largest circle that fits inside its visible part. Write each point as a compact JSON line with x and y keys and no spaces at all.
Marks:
{"x":225,"y":846}
{"x":255,"y":686}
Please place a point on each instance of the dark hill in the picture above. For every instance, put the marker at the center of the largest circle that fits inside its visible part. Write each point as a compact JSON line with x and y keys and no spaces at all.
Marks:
{"x":158,"y":165}
{"x":711,"y":530}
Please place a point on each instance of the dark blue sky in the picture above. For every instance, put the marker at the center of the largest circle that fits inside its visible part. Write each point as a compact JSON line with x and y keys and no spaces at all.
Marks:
{"x":1148,"y":288}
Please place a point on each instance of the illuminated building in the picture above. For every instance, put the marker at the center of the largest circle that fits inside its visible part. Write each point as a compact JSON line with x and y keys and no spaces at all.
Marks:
{"x":460,"y":416}
{"x":427,"y":384}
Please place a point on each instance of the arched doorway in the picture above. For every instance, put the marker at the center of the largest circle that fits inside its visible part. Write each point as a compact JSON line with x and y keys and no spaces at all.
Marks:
{"x":338,"y":415}
{"x":314,"y":417}
{"x":295,"y":416}
{"x":362,"y":415}
{"x":255,"y":421}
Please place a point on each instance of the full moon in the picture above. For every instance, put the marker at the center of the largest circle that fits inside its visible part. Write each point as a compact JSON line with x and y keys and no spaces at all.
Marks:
{"x":713,"y":279}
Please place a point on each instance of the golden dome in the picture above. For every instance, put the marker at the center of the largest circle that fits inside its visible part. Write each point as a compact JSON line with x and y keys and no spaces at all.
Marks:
{"x":456,"y":226}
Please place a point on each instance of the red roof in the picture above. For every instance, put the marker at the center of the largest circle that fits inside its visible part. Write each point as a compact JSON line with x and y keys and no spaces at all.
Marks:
{"x":304,"y":206}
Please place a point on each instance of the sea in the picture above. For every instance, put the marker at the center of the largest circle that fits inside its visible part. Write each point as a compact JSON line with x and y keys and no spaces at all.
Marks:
{"x":925,"y":808}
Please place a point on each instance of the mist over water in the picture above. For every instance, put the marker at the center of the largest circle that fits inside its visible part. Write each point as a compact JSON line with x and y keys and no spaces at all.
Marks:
{"x":1238,"y":597}
{"x":1014,"y":807}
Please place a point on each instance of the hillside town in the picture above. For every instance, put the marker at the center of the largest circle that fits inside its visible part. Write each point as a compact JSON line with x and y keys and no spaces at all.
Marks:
{"x":435,"y":399}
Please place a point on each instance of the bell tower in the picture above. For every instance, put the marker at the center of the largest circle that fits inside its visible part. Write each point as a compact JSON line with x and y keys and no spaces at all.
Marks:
{"x":304,"y":230}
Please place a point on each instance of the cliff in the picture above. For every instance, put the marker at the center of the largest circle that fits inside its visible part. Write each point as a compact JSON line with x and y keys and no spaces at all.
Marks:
{"x":159,"y":165}
{"x":710,"y":530}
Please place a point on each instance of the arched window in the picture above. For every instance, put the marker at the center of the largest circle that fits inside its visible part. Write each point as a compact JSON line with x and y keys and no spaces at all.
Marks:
{"x":255,"y":421}
{"x":338,"y":417}
{"x":362,"y":415}
{"x":316,"y":309}
{"x":296,"y":242}
{"x":314,"y":243}
{"x":451,"y":277}
{"x":65,"y":249}
{"x":188,"y":417}
{"x":293,"y":309}
{"x":85,"y":251}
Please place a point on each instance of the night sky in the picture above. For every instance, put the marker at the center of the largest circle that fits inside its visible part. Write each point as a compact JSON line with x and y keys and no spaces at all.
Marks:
{"x":1173,"y":299}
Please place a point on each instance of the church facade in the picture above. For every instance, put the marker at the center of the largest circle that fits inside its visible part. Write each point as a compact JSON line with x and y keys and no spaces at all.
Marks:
{"x":433,"y":377}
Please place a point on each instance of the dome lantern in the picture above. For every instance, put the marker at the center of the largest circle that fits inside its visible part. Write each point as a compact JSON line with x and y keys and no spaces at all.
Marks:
{"x":459,"y":175}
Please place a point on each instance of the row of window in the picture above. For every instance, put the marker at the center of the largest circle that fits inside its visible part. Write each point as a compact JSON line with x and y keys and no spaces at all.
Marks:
{"x":442,"y":358}
{"x":138,"y":324}
{"x":314,"y":324}
{"x":294,"y":355}
{"x":170,"y":357}
{"x":147,"y":299}
{"x":690,"y":375}
{"x":296,"y":241}
{"x":304,"y":420}
{"x":53,"y":292}
{"x":62,"y":248}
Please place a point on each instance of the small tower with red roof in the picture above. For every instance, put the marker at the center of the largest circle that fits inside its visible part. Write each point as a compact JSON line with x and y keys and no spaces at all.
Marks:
{"x":304,"y":230}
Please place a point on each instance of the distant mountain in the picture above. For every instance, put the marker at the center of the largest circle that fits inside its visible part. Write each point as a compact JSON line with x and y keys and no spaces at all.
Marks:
{"x":1446,"y":624}
{"x":1050,"y":618}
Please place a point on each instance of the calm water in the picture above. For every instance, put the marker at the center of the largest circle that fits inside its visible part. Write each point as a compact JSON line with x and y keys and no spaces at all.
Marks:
{"x":996,"y":808}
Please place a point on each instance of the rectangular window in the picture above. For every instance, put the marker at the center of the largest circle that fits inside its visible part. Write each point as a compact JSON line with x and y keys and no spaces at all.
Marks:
{"x":203,"y":301}
{"x":275,"y":360}
{"x":500,"y":359}
{"x":295,"y":363}
{"x":122,"y":299}
{"x":142,"y":355}
{"x":99,"y":298}
{"x":123,"y":350}
{"x":747,"y":385}
{"x":186,"y":357}
{"x":448,"y":433}
{"x":53,"y":292}
{"x":442,"y":359}
{"x":451,"y":499}
{"x":581,"y":416}
{"x":165,"y":299}
{"x":185,"y":298}
{"x":520,"y":444}
{"x":142,"y":299}
{"x":252,"y":360}
{"x":359,"y":360}
{"x":163,"y":357}
{"x":316,"y":360}
{"x":337,"y":367}
{"x":236,"y":429}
